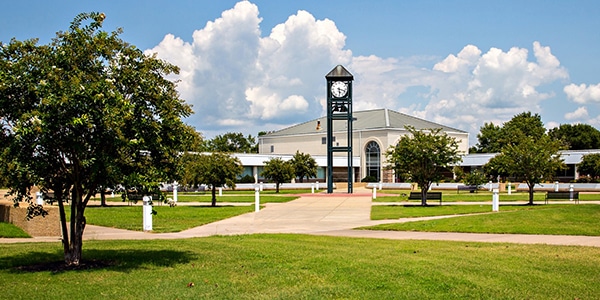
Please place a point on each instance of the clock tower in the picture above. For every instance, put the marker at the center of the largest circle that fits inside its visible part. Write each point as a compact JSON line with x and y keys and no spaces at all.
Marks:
{"x":339,"y":112}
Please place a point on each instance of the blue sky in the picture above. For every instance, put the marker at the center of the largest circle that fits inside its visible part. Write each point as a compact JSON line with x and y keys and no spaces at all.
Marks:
{"x":260,"y":65}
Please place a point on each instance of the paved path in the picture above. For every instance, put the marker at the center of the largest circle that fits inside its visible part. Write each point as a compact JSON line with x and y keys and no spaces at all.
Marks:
{"x":319,"y":214}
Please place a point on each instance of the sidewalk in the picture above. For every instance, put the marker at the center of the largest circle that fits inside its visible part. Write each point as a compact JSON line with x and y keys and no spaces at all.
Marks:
{"x":319,"y":214}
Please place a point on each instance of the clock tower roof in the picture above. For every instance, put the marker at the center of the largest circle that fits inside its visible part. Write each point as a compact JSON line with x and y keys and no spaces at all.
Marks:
{"x":339,"y":73}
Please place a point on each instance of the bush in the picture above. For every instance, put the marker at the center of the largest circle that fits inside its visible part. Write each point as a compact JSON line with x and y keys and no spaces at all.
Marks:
{"x":369,"y":179}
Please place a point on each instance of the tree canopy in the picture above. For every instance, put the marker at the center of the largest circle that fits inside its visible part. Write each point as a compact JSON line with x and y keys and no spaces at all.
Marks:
{"x":215,"y":170}
{"x":278,"y":170}
{"x":232,"y":142}
{"x":420,"y":156}
{"x":590,"y":165}
{"x":85,"y":111}
{"x":304,"y":165}
{"x":492,"y":138}
{"x":577,"y":137}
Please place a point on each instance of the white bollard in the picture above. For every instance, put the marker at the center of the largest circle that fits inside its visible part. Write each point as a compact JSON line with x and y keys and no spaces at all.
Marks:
{"x":570,"y":192}
{"x":490,"y":183}
{"x":509,"y":188}
{"x":256,"y":199}
{"x":556,"y":186}
{"x":380,"y":185}
{"x":317,"y":185}
{"x":112,"y":194}
{"x":261,"y":186}
{"x":147,"y":213}
{"x":175,"y":192}
{"x":312,"y":188}
{"x":39,"y":199}
{"x":495,"y":200}
{"x":374,"y":192}
{"x":220,"y":191}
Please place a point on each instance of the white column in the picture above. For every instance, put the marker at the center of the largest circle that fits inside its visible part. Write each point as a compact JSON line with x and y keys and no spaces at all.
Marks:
{"x":256,"y":199}
{"x":374,"y":192}
{"x":495,"y":200}
{"x":312,"y":188}
{"x":509,"y":188}
{"x":147,"y":213}
{"x":175,"y":185}
{"x":556,"y":186}
{"x":39,"y":199}
{"x":570,"y":192}
{"x":220,"y":191}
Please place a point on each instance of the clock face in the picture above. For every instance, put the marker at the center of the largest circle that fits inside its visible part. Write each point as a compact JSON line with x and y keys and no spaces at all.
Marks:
{"x":339,"y":89}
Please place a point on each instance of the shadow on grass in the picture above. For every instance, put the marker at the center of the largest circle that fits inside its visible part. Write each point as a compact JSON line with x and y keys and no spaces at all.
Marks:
{"x":123,"y":260}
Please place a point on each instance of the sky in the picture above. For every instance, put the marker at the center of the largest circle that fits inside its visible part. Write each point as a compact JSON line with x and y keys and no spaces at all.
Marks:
{"x":251,"y":66}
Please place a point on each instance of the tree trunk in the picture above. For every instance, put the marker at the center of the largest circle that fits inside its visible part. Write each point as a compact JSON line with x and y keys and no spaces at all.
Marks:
{"x":214,"y":196}
{"x":531,"y":186}
{"x":424,"y":190}
{"x":103,"y":198}
{"x":301,"y":179}
{"x":276,"y":187}
{"x":73,"y":245}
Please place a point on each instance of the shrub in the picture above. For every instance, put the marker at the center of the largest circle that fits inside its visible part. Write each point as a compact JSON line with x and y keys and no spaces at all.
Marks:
{"x":369,"y":179}
{"x":246,"y":179}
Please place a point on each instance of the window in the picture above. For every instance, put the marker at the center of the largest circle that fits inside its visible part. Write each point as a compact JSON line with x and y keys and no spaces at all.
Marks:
{"x":272,"y":148}
{"x":373,"y":160}
{"x":324,"y":140}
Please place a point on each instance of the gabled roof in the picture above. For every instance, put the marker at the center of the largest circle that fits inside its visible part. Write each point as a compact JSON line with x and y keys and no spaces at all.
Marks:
{"x":366,"y":120}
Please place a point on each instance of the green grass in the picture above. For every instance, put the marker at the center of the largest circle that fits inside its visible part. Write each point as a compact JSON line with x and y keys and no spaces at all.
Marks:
{"x":383,"y":212}
{"x":167,"y":219}
{"x":206,"y":197}
{"x":303,"y":267}
{"x":558,"y":219}
{"x":452,"y":196}
{"x":8,"y":230}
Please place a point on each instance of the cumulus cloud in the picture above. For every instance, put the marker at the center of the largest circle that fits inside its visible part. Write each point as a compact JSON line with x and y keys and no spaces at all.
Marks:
{"x":583,"y":93}
{"x":578,"y":114}
{"x":241,"y":79}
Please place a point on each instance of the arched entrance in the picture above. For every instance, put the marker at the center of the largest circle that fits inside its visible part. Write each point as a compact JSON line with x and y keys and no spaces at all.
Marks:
{"x":373,"y":160}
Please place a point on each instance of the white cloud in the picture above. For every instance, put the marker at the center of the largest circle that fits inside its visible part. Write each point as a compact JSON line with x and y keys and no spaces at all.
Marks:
{"x":239,"y":80}
{"x":578,"y":114}
{"x":583,"y":93}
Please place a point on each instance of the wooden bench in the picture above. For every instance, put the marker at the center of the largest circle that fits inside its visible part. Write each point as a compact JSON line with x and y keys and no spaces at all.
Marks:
{"x":470,"y":188}
{"x":135,"y":197}
{"x":430,"y":196}
{"x":562,"y":196}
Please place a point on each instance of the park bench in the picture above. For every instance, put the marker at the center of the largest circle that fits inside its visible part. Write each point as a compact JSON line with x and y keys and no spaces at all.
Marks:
{"x":562,"y":196}
{"x":430,"y":196}
{"x":470,"y":188}
{"x":135,"y":197}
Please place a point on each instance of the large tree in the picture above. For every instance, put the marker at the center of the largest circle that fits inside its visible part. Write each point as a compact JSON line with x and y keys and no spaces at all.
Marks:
{"x":421,"y":155}
{"x":529,"y":159}
{"x":590,"y":165}
{"x":576,"y":137}
{"x":216,"y":170}
{"x":492,"y":138}
{"x":82,"y":111}
{"x":304,"y":165}
{"x":233,"y":143}
{"x":278,"y":170}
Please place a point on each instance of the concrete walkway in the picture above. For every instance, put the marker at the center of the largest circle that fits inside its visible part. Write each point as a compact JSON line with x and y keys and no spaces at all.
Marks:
{"x":319,"y":214}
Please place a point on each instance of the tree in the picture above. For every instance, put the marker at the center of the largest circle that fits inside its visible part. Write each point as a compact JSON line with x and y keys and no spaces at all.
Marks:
{"x":528,"y":159}
{"x":278,"y":171}
{"x":475,"y":178}
{"x":420,"y":156}
{"x":304,"y":165}
{"x":492,"y":138}
{"x":216,"y":170}
{"x":590,"y":165}
{"x":82,"y":111}
{"x":233,"y":143}
{"x":577,"y":137}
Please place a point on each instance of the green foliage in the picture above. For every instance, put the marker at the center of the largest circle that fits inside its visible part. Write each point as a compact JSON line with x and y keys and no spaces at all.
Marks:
{"x":304,"y":166}
{"x":233,"y":143}
{"x":528,"y":159}
{"x":86,"y":111}
{"x":489,"y":139}
{"x":492,"y":138}
{"x":278,"y":171}
{"x":422,"y":154}
{"x":246,"y":179}
{"x":577,"y":136}
{"x":590,"y":165}
{"x":475,"y":178}
{"x":215,"y":170}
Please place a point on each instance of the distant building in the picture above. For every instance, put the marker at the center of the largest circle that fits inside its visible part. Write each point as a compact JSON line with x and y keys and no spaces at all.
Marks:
{"x":374,"y":131}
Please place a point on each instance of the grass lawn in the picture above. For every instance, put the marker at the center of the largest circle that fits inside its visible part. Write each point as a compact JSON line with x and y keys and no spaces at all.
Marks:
{"x":302,"y":267}
{"x":167,"y":219}
{"x":559,"y":219}
{"x":384,"y":212}
{"x":8,"y":230}
{"x":206,"y":197}
{"x":452,"y":196}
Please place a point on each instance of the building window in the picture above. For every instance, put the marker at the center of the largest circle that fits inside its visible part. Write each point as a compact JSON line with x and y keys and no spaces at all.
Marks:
{"x":373,"y":160}
{"x":324,"y":140}
{"x":272,"y":148}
